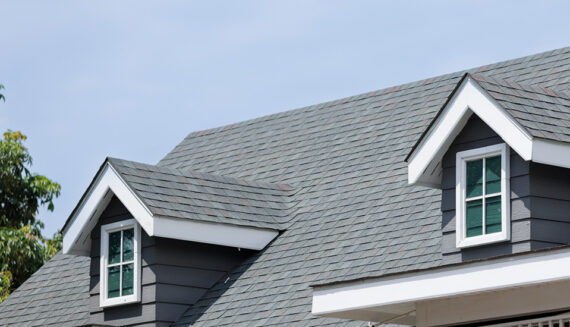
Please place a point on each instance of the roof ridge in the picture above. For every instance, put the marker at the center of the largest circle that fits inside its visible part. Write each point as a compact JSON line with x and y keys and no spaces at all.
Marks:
{"x":274,"y":215}
{"x":386,"y":90}
{"x":536,"y":88}
{"x":285,"y":187}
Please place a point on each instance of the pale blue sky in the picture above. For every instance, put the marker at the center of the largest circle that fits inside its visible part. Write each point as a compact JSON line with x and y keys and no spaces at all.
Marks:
{"x":129,"y":79}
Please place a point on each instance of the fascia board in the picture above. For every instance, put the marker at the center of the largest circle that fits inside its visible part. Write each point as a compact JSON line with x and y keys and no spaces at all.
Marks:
{"x":469,"y":98}
{"x":213,"y":233}
{"x":527,"y":270}
{"x":551,"y":152}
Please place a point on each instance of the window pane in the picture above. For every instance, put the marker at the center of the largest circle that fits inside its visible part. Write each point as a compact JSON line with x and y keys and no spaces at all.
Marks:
{"x":493,"y":214}
{"x":493,"y":175}
{"x":113,"y":282}
{"x":128,"y":245}
{"x":474,"y":178}
{"x":114,"y":247}
{"x":474,"y":211}
{"x":128,"y":274}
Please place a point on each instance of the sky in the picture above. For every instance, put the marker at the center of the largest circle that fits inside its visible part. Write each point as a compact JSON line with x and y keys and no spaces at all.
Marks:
{"x":130,"y":79}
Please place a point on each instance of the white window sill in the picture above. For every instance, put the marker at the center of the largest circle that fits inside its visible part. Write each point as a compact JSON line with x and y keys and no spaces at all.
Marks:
{"x":118,"y":301}
{"x":482,"y":240}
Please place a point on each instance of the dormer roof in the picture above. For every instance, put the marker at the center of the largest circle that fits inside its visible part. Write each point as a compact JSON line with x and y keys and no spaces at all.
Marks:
{"x":533,"y":120}
{"x":183,"y":204}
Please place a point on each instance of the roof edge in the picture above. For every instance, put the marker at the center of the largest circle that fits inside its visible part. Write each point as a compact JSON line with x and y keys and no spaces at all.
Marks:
{"x":108,"y":182}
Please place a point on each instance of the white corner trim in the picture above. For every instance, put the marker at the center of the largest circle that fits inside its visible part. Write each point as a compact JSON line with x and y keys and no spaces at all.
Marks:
{"x":461,"y":240}
{"x":468,"y":99}
{"x":77,"y":240}
{"x":104,"y":301}
{"x":504,"y":273}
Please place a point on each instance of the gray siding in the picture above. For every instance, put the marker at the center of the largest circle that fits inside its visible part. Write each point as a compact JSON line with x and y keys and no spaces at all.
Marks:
{"x":175,"y":274}
{"x":550,"y":204}
{"x":540,"y":201}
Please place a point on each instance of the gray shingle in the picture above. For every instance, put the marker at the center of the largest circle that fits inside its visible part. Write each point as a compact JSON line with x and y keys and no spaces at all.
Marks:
{"x":543,"y":112}
{"x":201,"y":196}
{"x":355,"y":215}
{"x":56,"y":294}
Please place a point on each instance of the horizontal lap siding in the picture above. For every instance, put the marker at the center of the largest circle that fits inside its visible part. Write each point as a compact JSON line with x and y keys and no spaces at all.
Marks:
{"x":540,"y":201}
{"x":175,"y":274}
{"x":477,"y":134}
{"x":125,"y":315}
{"x":184,"y":271}
{"x":550,"y":203}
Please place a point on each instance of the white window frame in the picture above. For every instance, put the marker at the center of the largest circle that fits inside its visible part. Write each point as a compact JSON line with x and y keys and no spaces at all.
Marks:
{"x":104,"y":301}
{"x":462,"y":241}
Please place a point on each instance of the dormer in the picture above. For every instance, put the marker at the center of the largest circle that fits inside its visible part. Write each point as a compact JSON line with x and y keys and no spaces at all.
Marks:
{"x":500,"y":153}
{"x":159,"y":238}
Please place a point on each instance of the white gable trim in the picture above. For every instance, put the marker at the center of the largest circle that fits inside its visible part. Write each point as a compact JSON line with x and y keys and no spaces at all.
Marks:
{"x":424,"y":165}
{"x":391,"y":294}
{"x":77,"y":240}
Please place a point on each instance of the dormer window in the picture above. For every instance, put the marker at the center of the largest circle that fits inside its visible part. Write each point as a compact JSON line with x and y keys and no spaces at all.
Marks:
{"x":482,"y":196}
{"x":120,"y":263}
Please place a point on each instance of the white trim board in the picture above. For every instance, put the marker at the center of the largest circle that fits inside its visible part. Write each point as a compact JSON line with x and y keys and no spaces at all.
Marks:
{"x":346,"y":300}
{"x":461,"y":158}
{"x":77,"y":240}
{"x":104,"y":301}
{"x":424,"y":164}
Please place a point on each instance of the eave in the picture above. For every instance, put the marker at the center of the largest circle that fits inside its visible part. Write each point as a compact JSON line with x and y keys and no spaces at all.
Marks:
{"x":108,"y":182}
{"x":421,"y":297}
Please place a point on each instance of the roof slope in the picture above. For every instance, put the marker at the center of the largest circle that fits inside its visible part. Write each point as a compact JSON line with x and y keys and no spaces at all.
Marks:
{"x":543,"y":112}
{"x":356,"y":216}
{"x":57,"y":294}
{"x":169,"y":192}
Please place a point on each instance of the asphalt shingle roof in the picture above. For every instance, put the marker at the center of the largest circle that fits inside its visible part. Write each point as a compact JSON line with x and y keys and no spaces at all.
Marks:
{"x":56,"y":295}
{"x":169,"y":192}
{"x":543,"y":112}
{"x":355,"y":214}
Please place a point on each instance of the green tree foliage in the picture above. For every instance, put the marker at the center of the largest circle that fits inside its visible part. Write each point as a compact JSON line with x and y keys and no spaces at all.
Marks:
{"x":21,"y":192}
{"x":23,"y":249}
{"x":5,"y":284}
{"x":2,"y":95}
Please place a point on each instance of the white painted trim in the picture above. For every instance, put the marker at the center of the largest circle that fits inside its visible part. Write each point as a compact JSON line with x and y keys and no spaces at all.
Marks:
{"x":212,"y":233}
{"x":136,"y":296}
{"x":468,"y":99}
{"x":77,"y":240}
{"x":500,"y":274}
{"x":462,"y":241}
{"x":551,"y":152}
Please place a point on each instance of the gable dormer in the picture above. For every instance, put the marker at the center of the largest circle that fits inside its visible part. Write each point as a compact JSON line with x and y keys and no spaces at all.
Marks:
{"x":500,"y":153}
{"x":160,"y":238}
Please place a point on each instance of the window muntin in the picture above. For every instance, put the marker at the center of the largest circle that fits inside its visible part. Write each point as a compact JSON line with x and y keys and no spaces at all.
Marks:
{"x":120,"y":263}
{"x":482,"y":196}
{"x":483,"y":199}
